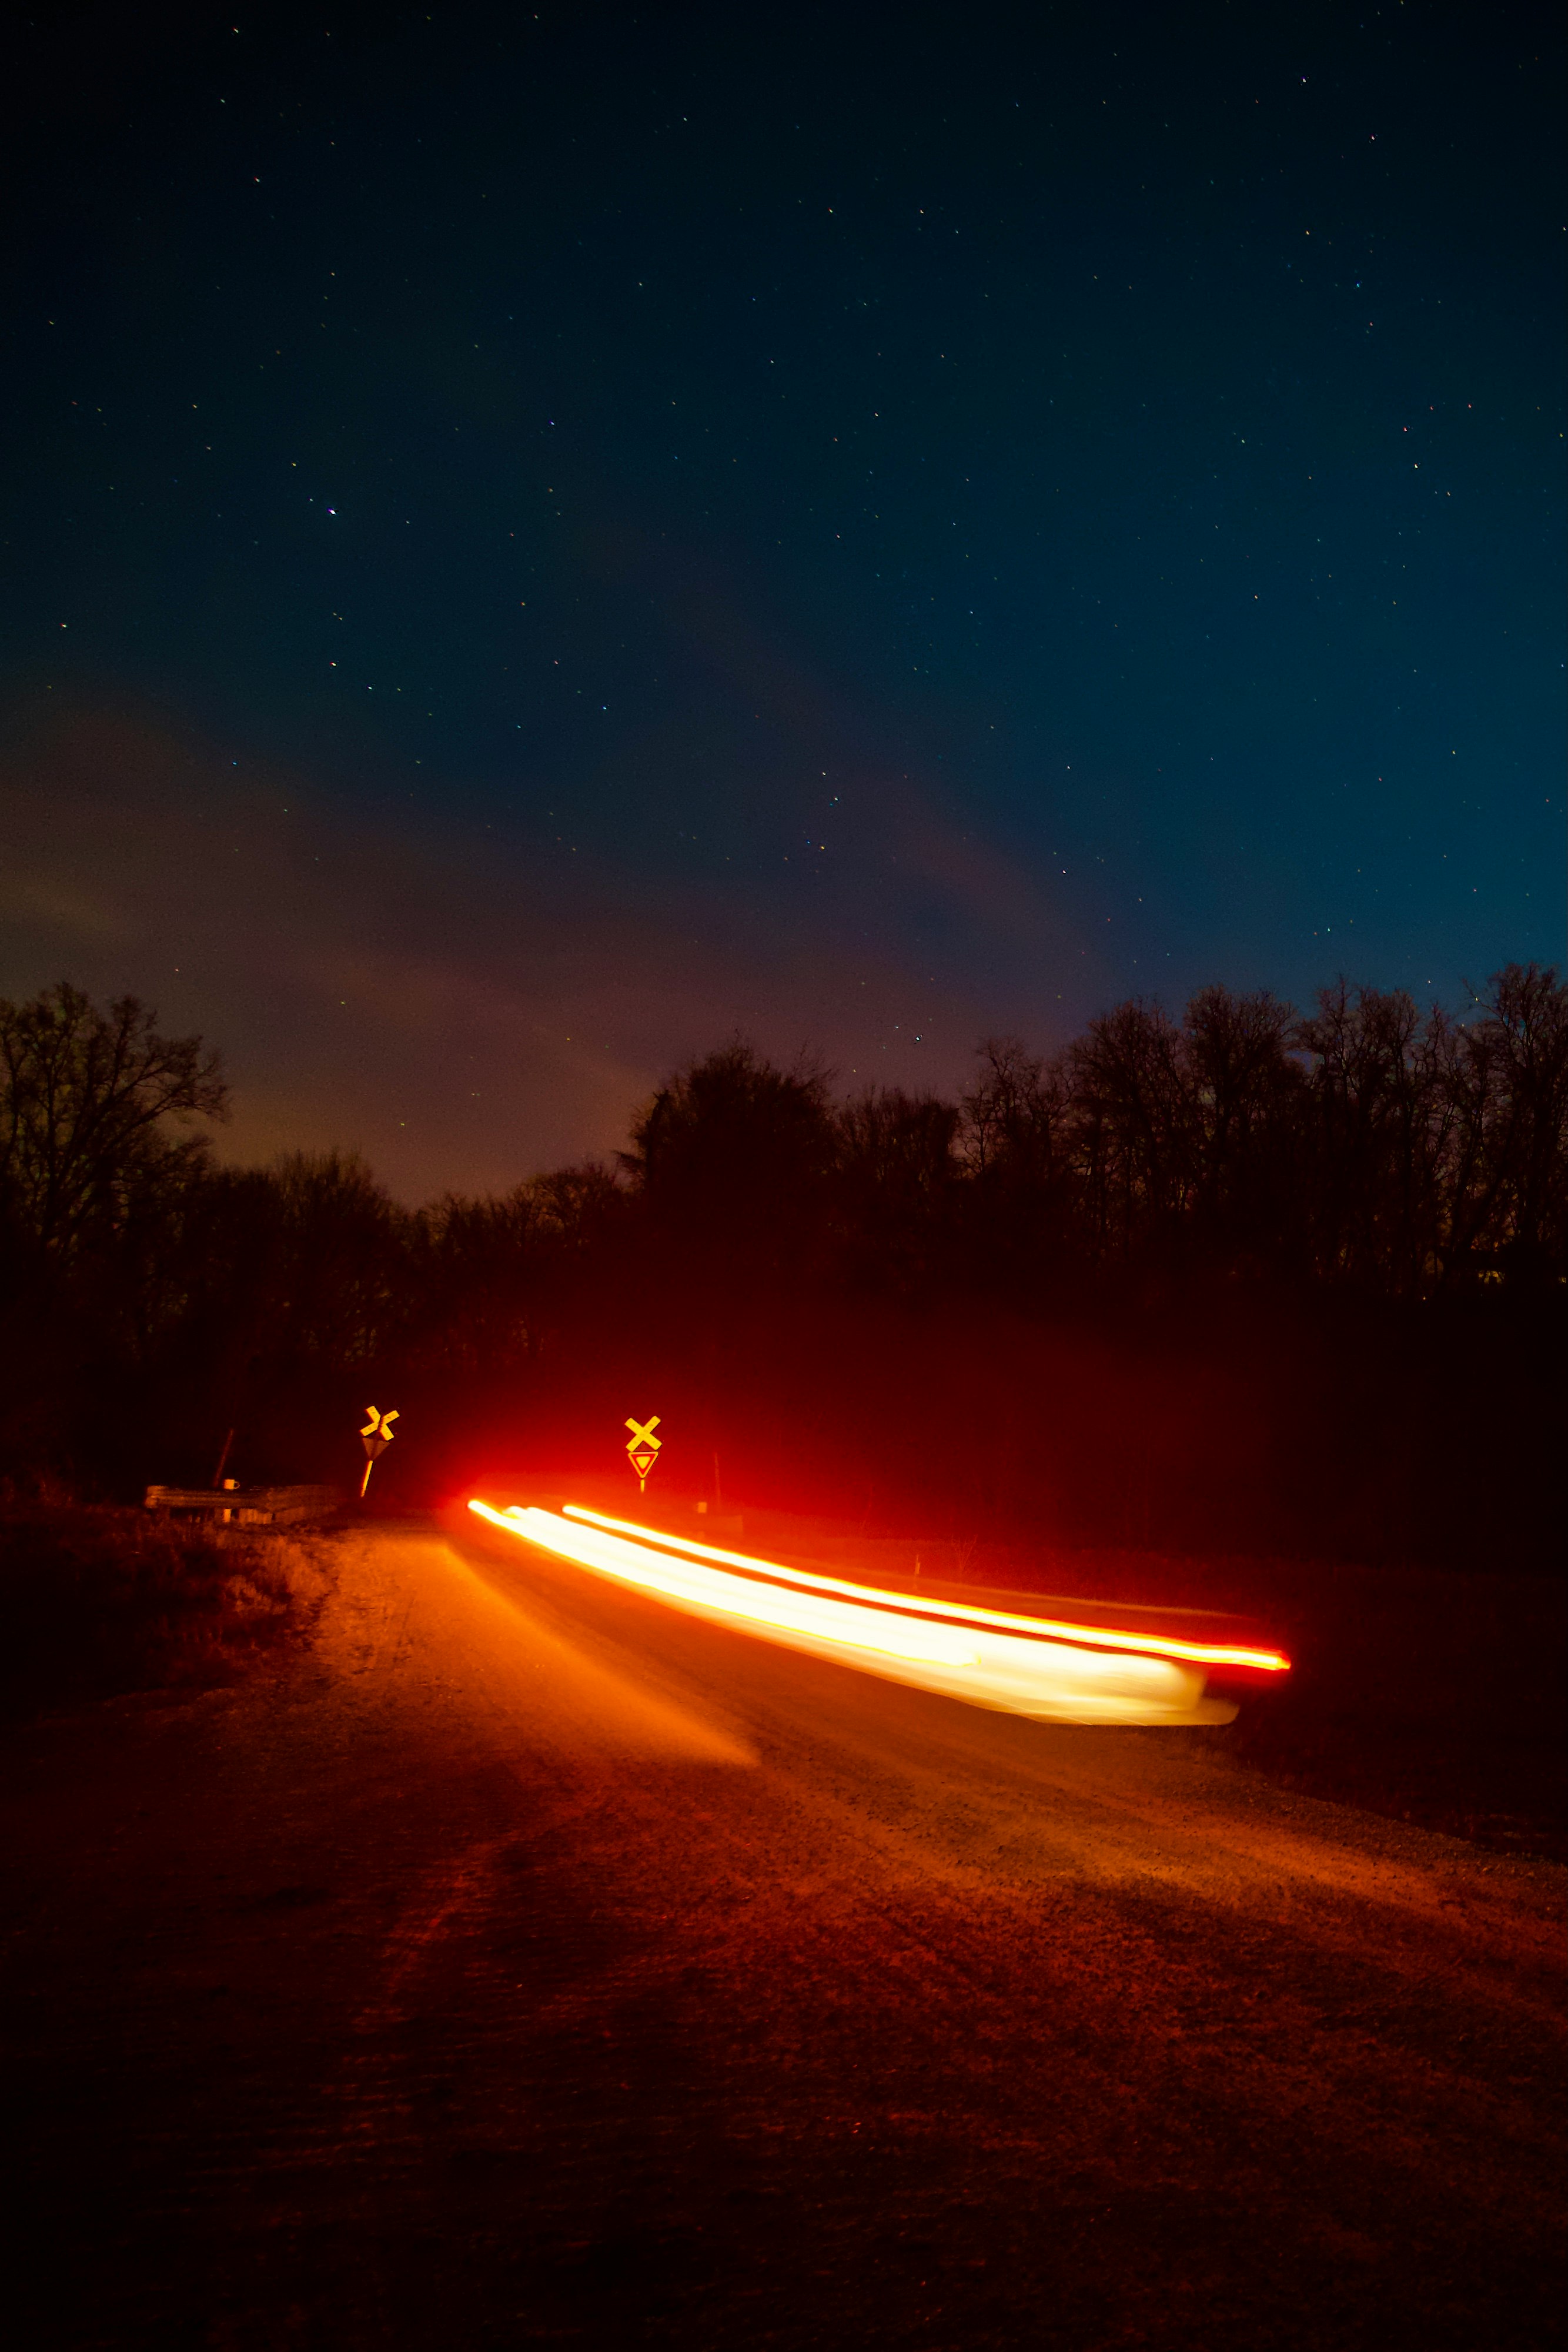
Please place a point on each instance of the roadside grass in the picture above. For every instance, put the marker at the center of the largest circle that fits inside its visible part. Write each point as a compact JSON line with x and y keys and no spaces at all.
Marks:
{"x":1431,"y":1697}
{"x":1509,"y":1794}
{"x":96,"y":1603}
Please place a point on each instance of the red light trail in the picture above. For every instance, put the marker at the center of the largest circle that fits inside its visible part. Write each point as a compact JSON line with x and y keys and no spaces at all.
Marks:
{"x":996,"y":1658}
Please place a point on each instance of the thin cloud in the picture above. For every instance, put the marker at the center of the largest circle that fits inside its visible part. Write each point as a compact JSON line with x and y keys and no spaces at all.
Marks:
{"x":464,"y":1013}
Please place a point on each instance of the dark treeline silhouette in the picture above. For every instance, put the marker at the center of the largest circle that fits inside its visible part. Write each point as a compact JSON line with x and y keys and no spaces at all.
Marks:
{"x":1246,"y":1280}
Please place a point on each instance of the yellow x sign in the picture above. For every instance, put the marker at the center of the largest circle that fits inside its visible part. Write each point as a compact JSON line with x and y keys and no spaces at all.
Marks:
{"x":379,"y":1424}
{"x":643,"y":1434}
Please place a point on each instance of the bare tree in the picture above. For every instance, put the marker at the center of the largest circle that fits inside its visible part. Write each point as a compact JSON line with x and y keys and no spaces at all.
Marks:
{"x":731,"y":1156}
{"x":1015,"y":1115}
{"x":896,"y":1174}
{"x":1242,"y":1090}
{"x":1507,"y":1087}
{"x":1135,"y":1129}
{"x":86,"y":1098}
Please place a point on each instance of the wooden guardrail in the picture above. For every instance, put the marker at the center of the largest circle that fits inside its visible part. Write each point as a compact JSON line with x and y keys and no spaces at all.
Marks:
{"x":248,"y":1506}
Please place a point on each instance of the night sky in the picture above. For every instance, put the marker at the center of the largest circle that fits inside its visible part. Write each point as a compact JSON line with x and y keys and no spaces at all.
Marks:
{"x":532,"y":541}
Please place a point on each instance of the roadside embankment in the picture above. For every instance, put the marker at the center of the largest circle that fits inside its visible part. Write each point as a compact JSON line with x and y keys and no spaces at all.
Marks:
{"x":96,"y":1602}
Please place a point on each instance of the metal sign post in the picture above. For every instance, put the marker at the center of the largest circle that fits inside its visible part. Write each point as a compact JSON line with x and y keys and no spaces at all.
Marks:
{"x":642,"y":1448}
{"x":375,"y":1437}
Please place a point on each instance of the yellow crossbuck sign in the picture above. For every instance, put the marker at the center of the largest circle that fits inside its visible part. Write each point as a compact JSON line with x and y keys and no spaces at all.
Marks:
{"x":375,"y":1437}
{"x":643,"y":1448}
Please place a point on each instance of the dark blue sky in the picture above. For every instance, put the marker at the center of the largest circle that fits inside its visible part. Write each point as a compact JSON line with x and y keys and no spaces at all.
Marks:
{"x":534,"y":541}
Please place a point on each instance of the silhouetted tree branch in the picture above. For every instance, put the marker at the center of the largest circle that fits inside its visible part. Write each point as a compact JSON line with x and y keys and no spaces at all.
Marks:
{"x":84,"y":1096}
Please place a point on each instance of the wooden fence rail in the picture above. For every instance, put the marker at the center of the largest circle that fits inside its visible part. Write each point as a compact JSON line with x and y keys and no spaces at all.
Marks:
{"x":248,"y":1506}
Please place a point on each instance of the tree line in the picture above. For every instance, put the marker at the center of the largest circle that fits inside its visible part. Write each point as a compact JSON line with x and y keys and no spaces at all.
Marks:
{"x":1166,"y":1199}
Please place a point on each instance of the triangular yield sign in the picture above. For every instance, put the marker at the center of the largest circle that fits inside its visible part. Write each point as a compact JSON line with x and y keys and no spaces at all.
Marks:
{"x":642,"y":1461}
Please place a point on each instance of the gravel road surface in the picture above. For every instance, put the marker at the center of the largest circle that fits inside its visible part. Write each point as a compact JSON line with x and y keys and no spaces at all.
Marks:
{"x":530,"y":1965}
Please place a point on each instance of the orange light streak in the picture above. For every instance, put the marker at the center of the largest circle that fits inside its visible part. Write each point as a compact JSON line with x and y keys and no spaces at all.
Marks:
{"x":781,"y":1611}
{"x":1018,"y":1664}
{"x":1098,"y":1637}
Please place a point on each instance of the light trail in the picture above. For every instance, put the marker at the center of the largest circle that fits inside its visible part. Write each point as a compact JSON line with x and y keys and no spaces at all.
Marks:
{"x":1163,"y":1645}
{"x":988,"y":1656}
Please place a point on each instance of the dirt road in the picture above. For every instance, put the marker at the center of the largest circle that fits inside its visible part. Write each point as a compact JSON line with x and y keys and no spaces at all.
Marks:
{"x":534,"y":1966}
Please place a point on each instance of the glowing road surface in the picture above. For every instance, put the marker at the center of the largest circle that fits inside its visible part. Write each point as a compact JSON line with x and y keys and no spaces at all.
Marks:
{"x":1025,"y":1665}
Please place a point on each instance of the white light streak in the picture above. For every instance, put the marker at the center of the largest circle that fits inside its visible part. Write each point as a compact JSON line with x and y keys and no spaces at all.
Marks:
{"x":980,"y":1659}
